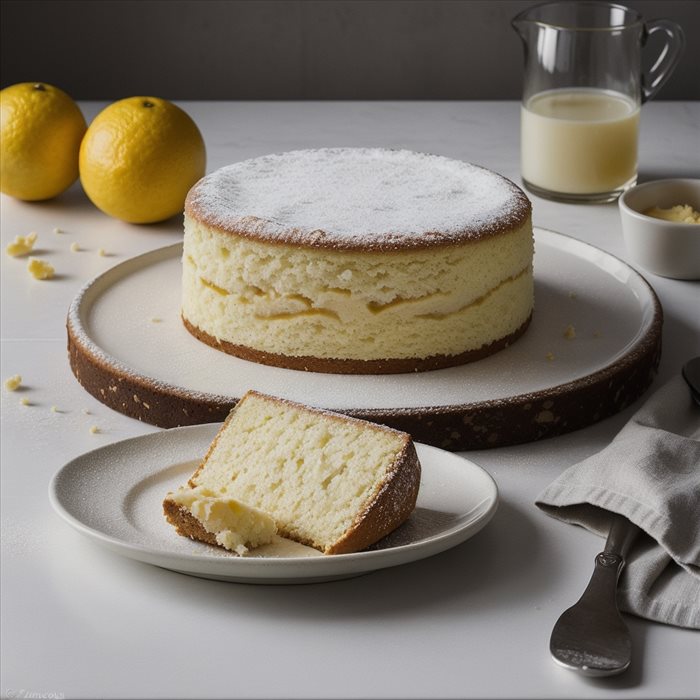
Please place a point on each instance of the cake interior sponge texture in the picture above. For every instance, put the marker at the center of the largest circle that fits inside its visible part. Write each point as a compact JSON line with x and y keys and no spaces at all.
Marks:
{"x":298,"y":302}
{"x":335,"y":483}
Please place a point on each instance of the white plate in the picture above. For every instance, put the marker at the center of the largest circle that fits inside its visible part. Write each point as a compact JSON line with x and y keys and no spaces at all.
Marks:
{"x":114,"y":496}
{"x":610,"y":362}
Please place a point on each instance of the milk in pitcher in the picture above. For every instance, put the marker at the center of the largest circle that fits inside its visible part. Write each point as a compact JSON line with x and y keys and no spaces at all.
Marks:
{"x":579,"y":140}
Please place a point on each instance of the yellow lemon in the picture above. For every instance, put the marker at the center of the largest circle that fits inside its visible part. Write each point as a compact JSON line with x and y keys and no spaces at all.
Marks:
{"x":40,"y":133}
{"x":139,"y":158}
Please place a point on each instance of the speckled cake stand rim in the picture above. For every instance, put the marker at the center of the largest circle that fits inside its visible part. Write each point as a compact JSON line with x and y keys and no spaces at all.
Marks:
{"x":516,"y":419}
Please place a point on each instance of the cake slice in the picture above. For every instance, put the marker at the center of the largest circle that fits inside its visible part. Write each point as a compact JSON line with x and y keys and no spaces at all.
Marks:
{"x":336,"y":483}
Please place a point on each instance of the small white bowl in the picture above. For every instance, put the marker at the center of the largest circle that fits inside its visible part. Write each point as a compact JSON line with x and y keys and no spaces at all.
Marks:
{"x":666,"y":248}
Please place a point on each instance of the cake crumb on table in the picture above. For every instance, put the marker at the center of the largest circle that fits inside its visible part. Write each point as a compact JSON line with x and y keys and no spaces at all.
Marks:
{"x":58,"y":230}
{"x":102,"y":253}
{"x":21,"y":245}
{"x":74,"y":247}
{"x":94,"y":429}
{"x":13,"y":383}
{"x":25,"y":401}
{"x":570,"y":332}
{"x":40,"y":269}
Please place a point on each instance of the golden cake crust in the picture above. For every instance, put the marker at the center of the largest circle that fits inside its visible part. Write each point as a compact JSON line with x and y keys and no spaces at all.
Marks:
{"x":186,"y":524}
{"x":391,"y":505}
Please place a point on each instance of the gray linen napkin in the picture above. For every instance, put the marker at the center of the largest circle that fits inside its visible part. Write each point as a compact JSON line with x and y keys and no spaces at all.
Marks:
{"x":650,"y":473}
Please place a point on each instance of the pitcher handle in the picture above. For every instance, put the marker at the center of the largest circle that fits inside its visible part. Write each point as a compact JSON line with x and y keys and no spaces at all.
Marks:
{"x":660,"y":72}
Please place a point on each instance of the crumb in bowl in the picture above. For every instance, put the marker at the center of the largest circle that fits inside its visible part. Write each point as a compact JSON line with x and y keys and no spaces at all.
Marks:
{"x":680,"y":213}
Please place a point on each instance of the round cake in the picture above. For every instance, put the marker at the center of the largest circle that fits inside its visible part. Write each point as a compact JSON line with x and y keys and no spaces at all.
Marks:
{"x":357,"y":260}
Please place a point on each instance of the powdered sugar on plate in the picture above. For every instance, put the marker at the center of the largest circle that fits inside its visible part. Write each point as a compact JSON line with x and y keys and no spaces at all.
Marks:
{"x":352,"y":198}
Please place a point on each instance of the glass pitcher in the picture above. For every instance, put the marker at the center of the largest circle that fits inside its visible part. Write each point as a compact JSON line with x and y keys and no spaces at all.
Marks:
{"x":583,"y":89}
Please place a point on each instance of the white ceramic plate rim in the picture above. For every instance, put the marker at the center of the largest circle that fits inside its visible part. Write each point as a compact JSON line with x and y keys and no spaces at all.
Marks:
{"x":272,"y":569}
{"x":616,"y":268}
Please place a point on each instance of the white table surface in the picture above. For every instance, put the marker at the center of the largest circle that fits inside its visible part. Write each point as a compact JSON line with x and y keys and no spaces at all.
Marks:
{"x":80,"y":621}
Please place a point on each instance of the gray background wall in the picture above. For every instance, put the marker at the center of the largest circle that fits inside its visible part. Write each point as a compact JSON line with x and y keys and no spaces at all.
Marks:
{"x":294,"y":49}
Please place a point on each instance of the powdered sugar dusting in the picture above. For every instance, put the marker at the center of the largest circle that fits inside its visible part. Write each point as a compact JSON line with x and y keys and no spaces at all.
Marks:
{"x":358,"y":198}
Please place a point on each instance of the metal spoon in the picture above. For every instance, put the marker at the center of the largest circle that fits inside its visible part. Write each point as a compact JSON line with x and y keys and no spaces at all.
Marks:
{"x":591,"y":636}
{"x":691,"y":374}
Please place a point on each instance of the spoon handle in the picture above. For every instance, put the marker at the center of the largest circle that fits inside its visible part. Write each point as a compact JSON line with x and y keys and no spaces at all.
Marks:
{"x":621,"y":535}
{"x":591,"y":637}
{"x":610,"y":562}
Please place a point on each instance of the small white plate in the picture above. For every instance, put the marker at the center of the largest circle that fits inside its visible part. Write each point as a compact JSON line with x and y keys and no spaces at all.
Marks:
{"x":114,"y":495}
